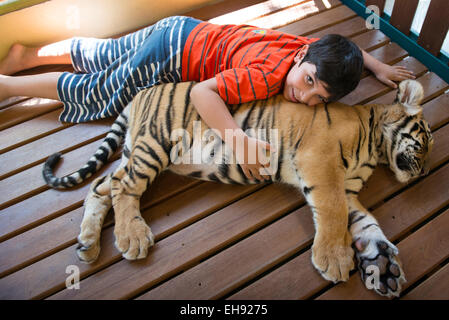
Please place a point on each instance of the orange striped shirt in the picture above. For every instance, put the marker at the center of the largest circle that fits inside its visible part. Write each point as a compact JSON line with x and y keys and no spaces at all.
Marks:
{"x":249,"y":63}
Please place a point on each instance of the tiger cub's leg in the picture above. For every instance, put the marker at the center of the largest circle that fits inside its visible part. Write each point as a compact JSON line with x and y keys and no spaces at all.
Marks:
{"x":379,"y":266}
{"x":133,"y":236}
{"x":96,"y":206}
{"x":323,"y":187}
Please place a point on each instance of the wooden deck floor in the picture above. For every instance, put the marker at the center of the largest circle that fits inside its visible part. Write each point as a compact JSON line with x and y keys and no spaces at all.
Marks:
{"x":212,"y":240}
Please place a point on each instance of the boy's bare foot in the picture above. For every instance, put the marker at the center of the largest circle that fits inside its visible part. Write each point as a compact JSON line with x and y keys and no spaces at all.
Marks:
{"x":14,"y":61}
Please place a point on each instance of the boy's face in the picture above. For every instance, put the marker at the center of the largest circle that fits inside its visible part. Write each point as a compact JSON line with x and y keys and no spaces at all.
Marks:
{"x":302,"y":85}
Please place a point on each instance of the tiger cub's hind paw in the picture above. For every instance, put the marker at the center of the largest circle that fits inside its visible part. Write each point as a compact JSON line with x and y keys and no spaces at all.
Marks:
{"x":379,"y":266}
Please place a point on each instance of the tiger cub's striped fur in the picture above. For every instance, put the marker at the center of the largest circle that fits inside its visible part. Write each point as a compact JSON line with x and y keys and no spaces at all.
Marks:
{"x":327,"y":151}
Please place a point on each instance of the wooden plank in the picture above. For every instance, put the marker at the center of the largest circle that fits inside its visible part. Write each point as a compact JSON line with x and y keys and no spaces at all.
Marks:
{"x":30,"y":130}
{"x":247,"y":15}
{"x":348,"y":28}
{"x":195,"y":204}
{"x":191,"y":243}
{"x":26,"y":110}
{"x":188,"y":246}
{"x":434,"y":288}
{"x":181,"y":210}
{"x":251,"y":15}
{"x":390,"y":53}
{"x":45,"y":69}
{"x":241,"y":262}
{"x":435,"y":27}
{"x":425,"y":249}
{"x":396,"y":217}
{"x":419,"y":252}
{"x":378,"y":3}
{"x":11,"y":101}
{"x":440,"y":152}
{"x":366,"y":40}
{"x":371,"y":40}
{"x":39,"y":209}
{"x":284,"y":17}
{"x":403,"y":14}
{"x":36,"y":244}
{"x":436,"y":110}
{"x":30,"y":181}
{"x":36,"y":210}
{"x":318,"y":22}
{"x":37,"y":151}
{"x":220,"y":8}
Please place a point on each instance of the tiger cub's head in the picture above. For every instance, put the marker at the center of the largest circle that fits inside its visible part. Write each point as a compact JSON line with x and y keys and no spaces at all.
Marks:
{"x":407,"y":136}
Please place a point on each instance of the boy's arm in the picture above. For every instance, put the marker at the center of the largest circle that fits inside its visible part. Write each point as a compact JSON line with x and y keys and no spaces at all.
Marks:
{"x":384,"y":72}
{"x":214,"y":112}
{"x":212,"y":108}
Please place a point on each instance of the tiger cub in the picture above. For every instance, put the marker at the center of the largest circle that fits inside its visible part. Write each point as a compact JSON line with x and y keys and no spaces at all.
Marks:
{"x":327,"y":151}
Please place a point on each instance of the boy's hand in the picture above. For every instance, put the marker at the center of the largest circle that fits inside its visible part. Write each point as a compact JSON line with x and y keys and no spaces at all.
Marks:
{"x":212,"y":109}
{"x":384,"y":72}
{"x":250,"y":150}
{"x":387,"y":74}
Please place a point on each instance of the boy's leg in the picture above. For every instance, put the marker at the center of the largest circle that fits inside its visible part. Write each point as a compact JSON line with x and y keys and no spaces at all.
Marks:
{"x":21,"y":57}
{"x":40,"y":85}
{"x":90,"y":54}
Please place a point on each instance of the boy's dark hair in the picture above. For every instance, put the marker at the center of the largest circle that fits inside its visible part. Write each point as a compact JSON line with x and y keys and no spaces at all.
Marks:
{"x":339,"y":63}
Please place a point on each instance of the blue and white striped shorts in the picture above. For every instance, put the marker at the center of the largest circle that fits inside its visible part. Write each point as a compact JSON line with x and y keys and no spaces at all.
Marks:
{"x":110,"y":72}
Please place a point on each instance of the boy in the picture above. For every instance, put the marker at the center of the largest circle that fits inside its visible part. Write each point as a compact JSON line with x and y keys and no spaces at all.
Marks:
{"x":233,"y":64}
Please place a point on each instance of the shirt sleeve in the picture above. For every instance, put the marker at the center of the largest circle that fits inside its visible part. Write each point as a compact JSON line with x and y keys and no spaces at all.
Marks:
{"x":249,"y":83}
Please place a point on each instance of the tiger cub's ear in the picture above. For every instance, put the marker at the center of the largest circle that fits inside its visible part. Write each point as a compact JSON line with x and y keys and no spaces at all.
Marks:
{"x":410,"y":95}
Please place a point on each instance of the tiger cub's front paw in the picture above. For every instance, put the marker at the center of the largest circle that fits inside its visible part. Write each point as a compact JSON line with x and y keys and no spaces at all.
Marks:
{"x":333,"y":261}
{"x":88,"y":248}
{"x":133,"y":238}
{"x":379,"y":265}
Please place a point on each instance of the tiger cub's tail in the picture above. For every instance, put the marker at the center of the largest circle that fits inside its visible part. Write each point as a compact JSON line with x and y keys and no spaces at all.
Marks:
{"x":110,"y":144}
